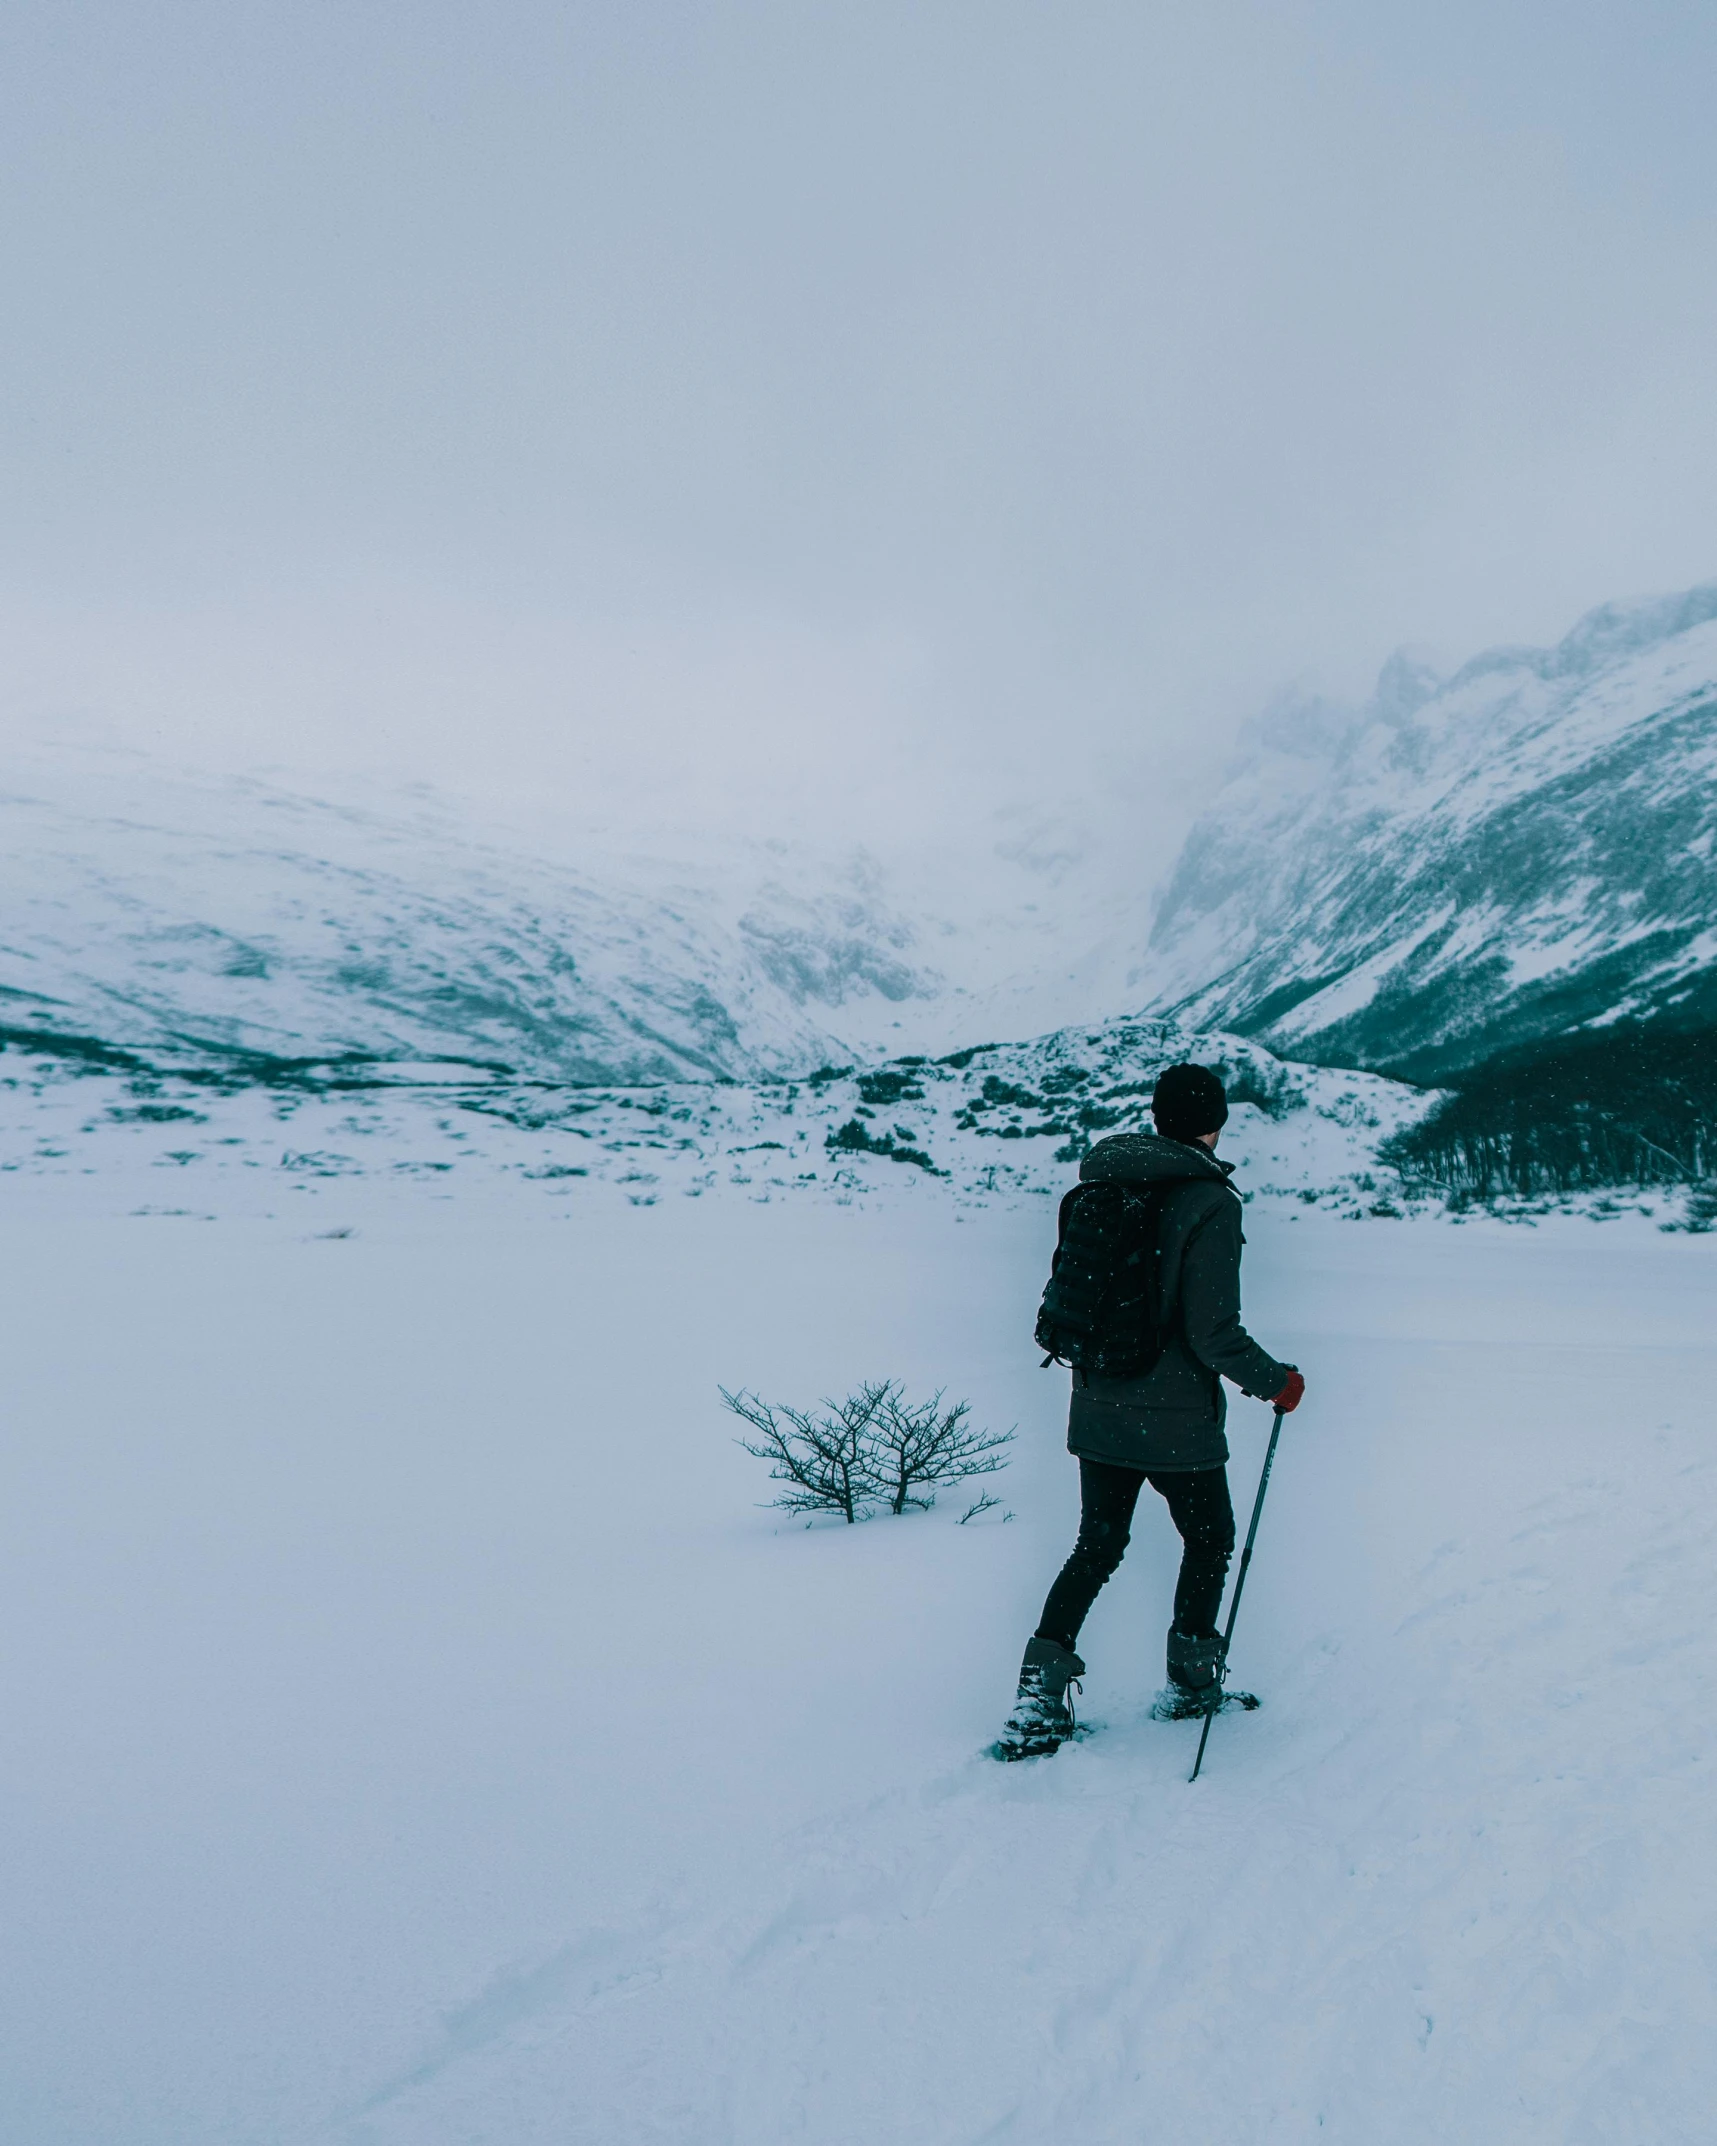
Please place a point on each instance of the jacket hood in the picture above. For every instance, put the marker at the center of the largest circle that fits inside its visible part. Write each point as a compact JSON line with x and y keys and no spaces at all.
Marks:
{"x":1147,"y":1158}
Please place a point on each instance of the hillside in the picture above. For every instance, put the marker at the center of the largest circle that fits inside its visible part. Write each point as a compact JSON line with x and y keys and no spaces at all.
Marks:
{"x":1466,"y":867}
{"x":1500,"y":883}
{"x":241,"y":923}
{"x":994,"y":1124}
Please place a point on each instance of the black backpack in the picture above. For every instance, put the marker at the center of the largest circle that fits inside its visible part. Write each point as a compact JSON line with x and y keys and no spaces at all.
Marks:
{"x":1102,"y":1305}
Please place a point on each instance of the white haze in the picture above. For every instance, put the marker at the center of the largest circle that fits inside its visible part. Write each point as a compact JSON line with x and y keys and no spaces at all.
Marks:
{"x":846,"y":422}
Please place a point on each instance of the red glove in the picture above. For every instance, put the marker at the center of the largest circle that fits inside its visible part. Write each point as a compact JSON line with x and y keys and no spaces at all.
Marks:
{"x":1291,"y":1394}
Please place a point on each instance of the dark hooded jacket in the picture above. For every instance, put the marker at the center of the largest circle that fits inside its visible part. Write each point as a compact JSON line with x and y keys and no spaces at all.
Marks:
{"x":1172,"y":1416}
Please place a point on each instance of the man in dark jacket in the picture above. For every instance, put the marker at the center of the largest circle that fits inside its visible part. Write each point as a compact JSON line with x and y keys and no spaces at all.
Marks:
{"x":1164,"y":1427}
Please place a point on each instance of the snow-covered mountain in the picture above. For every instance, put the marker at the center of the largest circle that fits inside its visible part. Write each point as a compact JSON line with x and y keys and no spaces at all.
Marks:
{"x":237,"y":921}
{"x":1466,"y":866}
{"x":1518,"y":855}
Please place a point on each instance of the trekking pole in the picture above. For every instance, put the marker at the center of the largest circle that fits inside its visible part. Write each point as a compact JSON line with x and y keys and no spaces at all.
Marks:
{"x":1239,"y":1583}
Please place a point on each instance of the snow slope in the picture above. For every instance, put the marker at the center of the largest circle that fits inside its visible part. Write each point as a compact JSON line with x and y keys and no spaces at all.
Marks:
{"x":240,"y":921}
{"x":1462,"y":866}
{"x":237,"y":921}
{"x":418,"y":1735}
{"x":997,"y":1122}
{"x":1470,"y":865}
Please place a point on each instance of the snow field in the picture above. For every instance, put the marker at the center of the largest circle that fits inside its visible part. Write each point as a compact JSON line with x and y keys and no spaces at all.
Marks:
{"x":418,"y":1734}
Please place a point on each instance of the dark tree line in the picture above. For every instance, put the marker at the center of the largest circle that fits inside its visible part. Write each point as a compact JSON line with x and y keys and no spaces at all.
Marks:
{"x":1622,"y":1107}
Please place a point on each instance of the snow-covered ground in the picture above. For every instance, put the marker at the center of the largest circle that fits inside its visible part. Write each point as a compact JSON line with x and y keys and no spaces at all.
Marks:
{"x":997,"y":1123}
{"x":417,"y":1733}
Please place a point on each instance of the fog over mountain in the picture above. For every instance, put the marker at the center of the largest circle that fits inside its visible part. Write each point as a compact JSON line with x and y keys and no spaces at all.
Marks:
{"x":1466,"y":866}
{"x":745,"y":410}
{"x":1462,"y":867}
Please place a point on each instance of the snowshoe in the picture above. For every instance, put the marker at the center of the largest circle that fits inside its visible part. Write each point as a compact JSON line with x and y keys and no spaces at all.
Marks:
{"x":1042,"y":1719}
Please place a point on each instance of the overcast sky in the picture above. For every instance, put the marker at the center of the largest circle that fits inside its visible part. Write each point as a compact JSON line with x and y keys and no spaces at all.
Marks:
{"x":818,"y":411}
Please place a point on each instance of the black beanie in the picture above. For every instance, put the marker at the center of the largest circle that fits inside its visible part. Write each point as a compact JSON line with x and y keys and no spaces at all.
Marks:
{"x":1188,"y":1100}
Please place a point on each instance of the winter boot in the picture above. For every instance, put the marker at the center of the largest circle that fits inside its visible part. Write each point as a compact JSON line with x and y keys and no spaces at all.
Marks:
{"x":1195,"y":1666}
{"x":1042,"y":1719}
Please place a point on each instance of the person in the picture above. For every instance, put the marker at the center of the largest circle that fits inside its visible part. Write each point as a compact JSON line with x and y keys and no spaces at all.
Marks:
{"x":1164,"y":1427}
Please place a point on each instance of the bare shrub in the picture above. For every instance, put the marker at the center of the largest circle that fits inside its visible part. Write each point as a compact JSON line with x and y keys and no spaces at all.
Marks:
{"x":920,"y":1445}
{"x":822,"y":1458}
{"x":874,"y":1446}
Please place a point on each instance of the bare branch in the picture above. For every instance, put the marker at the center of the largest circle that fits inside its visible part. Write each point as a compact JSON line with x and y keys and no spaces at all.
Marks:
{"x":822,"y":1460}
{"x":874,"y":1444}
{"x":920,"y":1445}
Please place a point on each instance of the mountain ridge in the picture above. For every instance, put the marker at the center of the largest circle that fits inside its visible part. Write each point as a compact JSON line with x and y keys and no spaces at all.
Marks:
{"x":150,"y":907}
{"x":1499,"y":881}
{"x":1465,"y":866}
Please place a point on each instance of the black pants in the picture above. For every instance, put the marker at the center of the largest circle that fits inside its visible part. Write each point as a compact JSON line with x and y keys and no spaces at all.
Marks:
{"x":1199,"y":1506}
